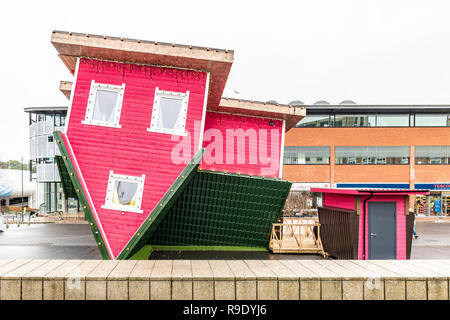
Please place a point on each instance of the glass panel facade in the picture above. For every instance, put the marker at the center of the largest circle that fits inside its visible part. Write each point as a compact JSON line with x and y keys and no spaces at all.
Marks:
{"x":372,"y":155}
{"x":432,"y":154}
{"x":376,"y":120}
{"x":306,"y":155}
{"x":392,"y":120}
{"x":432,"y":120}
{"x":362,"y":120}
{"x":315,"y":121}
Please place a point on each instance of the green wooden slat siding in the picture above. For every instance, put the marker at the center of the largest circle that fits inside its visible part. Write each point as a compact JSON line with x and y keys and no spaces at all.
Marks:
{"x":66,"y":182}
{"x":224,"y":209}
{"x":81,"y":196}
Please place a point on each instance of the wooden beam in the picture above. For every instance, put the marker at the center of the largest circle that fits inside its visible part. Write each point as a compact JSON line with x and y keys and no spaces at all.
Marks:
{"x":358,"y":205}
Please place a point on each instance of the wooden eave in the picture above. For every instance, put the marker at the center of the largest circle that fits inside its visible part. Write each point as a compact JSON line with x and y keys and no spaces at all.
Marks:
{"x":218,"y":62}
{"x":66,"y":88}
{"x":291,"y":114}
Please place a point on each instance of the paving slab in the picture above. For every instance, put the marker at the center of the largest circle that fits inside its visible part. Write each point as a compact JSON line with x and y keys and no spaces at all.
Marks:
{"x":261,"y":270}
{"x":240,"y":270}
{"x":62,"y":270}
{"x":281,"y":271}
{"x":203,"y":283}
{"x":245,"y":280}
{"x":75,"y":280}
{"x":432,"y":266}
{"x":344,"y":272}
{"x":33,"y":284}
{"x":401,"y":272}
{"x":221,"y":270}
{"x":40,"y":272}
{"x":382,"y":272}
{"x":322,"y":272}
{"x":139,"y":280}
{"x":142,"y":270}
{"x":160,"y":280}
{"x":5,"y":261}
{"x":181,"y":270}
{"x":122,"y":270}
{"x":14,"y":264}
{"x":224,"y":282}
{"x":299,"y":270}
{"x":117,"y":281}
{"x":162,"y":270}
{"x":412,"y":267}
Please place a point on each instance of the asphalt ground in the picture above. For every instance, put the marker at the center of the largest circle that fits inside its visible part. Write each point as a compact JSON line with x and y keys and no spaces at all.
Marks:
{"x":75,"y":241}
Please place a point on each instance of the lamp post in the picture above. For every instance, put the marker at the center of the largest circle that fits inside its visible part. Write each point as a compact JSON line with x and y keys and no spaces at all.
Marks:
{"x":21,"y":169}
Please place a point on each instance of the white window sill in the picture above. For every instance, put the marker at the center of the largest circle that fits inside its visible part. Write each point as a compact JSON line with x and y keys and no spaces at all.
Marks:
{"x":101,"y":123}
{"x":123,"y":208}
{"x":167,"y":131}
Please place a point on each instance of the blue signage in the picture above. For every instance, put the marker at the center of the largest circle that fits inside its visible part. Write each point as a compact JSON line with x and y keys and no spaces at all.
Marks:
{"x":433,"y":186}
{"x":374,"y":185}
{"x":437,"y":205}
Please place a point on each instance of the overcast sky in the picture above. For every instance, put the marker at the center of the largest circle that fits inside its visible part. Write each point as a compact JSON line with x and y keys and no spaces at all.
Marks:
{"x":368,"y":51}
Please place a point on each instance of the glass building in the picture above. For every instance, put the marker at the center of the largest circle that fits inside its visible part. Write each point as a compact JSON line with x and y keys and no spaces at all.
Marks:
{"x":43,"y":121}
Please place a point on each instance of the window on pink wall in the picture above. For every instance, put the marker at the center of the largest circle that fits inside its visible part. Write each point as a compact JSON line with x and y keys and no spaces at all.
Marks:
{"x":124,"y":193}
{"x":169,"y":112}
{"x":104,"y":105}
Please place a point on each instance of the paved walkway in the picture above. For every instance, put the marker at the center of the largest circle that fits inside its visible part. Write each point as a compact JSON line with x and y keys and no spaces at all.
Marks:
{"x":75,"y":241}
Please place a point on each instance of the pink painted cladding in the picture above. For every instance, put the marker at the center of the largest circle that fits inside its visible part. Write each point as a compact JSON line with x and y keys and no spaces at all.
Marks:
{"x":263,"y":143}
{"x":346,"y":201}
{"x":401,"y":225}
{"x":131,"y":149}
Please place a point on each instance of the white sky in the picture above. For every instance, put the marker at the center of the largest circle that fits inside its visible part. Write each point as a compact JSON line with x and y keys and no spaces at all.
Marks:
{"x":368,"y":51}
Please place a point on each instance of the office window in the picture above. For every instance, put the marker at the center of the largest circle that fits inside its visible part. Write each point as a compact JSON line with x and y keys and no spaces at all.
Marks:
{"x":104,"y":105}
{"x":355,"y":120}
{"x":432,"y":120}
{"x":315,"y":121}
{"x":169,"y":112}
{"x":432,"y":155}
{"x":392,"y":120}
{"x":124,"y":193}
{"x":306,"y":155}
{"x":378,"y":155}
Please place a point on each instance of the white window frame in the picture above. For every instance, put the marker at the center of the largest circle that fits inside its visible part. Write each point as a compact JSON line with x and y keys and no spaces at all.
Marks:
{"x":113,"y":177}
{"x":184,"y":97}
{"x":91,"y":104}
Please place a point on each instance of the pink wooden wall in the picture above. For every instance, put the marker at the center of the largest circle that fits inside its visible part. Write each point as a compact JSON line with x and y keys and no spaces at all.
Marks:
{"x":401,"y":225}
{"x":339,"y":200}
{"x":131,"y":149}
{"x":348,"y":202}
{"x":259,"y":154}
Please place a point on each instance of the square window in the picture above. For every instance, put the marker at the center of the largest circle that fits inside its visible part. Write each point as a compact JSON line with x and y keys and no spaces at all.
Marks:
{"x":124,"y":193}
{"x":169,"y":112}
{"x":104,"y":105}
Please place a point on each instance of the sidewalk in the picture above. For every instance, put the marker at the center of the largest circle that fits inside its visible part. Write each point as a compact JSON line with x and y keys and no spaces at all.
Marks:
{"x":421,"y":218}
{"x":73,"y":218}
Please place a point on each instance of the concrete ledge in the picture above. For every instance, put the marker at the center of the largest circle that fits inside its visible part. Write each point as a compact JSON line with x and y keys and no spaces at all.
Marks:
{"x":22,"y":279}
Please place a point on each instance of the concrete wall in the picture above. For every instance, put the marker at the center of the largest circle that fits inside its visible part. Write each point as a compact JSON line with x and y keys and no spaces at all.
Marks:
{"x":224,"y":280}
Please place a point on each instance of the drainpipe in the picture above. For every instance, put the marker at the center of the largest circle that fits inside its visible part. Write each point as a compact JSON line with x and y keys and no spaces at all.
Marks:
{"x":364,"y":224}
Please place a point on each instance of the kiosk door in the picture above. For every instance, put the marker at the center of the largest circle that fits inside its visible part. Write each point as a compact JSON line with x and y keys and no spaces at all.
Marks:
{"x":382,"y":230}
